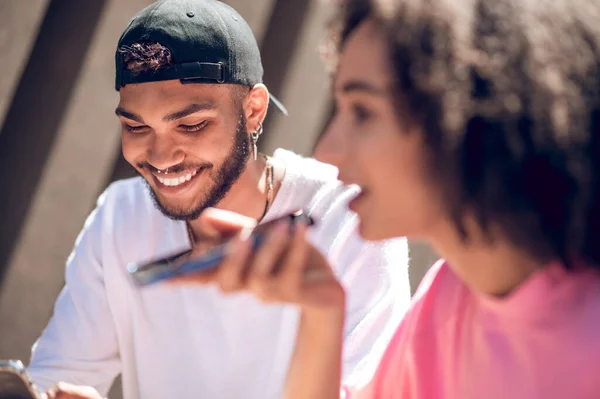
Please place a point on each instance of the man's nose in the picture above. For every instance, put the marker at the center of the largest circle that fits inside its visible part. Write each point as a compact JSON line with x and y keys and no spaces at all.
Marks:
{"x":164,"y":153}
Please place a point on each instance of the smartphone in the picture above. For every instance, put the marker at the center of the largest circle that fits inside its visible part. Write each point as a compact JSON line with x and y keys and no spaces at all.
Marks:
{"x":177,"y":265}
{"x":14,"y":381}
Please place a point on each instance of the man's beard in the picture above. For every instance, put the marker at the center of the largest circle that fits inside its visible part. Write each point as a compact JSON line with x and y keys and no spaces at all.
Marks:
{"x":231,"y":170}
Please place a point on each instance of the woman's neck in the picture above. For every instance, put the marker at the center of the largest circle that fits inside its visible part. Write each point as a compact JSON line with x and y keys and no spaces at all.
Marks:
{"x":493,"y":268}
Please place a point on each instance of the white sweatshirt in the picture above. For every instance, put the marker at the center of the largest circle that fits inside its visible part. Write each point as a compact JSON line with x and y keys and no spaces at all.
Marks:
{"x":183,"y":342}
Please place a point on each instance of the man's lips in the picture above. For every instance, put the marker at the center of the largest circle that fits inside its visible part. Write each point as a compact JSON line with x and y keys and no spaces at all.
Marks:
{"x":176,"y":183}
{"x":175,"y":179}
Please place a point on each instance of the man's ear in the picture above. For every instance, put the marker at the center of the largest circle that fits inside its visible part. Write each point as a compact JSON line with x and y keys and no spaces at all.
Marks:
{"x":256,"y":104}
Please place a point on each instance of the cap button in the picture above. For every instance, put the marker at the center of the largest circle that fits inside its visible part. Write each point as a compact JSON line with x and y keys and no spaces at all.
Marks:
{"x":190,"y":14}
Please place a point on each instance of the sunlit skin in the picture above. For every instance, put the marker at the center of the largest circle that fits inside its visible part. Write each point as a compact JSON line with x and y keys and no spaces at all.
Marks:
{"x":373,"y":148}
{"x":370,"y":148}
{"x":191,"y":128}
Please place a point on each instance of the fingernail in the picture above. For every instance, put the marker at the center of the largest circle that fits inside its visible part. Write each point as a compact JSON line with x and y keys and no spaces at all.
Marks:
{"x":245,"y":234}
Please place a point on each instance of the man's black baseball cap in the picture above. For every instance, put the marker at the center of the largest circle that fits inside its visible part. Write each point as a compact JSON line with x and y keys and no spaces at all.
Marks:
{"x":209,"y":43}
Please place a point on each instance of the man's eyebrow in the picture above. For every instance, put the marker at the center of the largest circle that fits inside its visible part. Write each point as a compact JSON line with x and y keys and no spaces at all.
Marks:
{"x":170,"y":117}
{"x":129,"y":115}
{"x":193,"y":108}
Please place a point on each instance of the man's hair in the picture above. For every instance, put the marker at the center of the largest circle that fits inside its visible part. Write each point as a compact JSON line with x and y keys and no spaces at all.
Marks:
{"x":151,"y":56}
{"x":507,"y":95}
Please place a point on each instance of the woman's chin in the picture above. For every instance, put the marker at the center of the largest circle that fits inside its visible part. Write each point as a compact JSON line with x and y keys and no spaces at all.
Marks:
{"x":373,"y":231}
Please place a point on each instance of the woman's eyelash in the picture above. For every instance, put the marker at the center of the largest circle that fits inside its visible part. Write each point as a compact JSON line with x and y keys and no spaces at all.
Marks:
{"x":361,"y":113}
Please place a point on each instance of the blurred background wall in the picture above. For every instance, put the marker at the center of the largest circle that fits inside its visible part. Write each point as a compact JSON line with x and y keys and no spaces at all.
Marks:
{"x":60,"y":140}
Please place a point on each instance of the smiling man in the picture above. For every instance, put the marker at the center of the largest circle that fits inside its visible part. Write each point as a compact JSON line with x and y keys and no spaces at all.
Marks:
{"x":191,"y":106}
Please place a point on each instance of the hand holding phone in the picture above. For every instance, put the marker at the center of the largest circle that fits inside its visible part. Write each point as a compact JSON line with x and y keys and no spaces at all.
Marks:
{"x":277,"y":263}
{"x":178,"y":265}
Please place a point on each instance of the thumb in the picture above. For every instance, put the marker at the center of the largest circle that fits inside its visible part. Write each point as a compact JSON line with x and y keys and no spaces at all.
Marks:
{"x":222,"y":223}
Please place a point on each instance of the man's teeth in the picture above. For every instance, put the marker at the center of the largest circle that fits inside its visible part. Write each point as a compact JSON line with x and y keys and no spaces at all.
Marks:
{"x":176,"y":181}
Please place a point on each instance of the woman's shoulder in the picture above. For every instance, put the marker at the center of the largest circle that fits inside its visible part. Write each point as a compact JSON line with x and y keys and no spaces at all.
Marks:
{"x":439,"y":298}
{"x":435,"y":302}
{"x":440,"y":291}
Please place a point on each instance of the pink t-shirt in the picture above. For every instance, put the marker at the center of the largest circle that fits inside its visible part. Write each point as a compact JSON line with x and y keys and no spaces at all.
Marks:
{"x":542,"y":341}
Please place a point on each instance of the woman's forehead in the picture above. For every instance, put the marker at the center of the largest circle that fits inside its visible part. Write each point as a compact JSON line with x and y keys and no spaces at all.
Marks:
{"x":364,"y":58}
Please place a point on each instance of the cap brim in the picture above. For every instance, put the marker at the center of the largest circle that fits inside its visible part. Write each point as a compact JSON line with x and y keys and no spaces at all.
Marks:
{"x":278,"y":104}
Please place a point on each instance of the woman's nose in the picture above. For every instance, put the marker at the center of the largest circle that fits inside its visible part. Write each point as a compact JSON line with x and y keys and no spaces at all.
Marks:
{"x":331,"y":145}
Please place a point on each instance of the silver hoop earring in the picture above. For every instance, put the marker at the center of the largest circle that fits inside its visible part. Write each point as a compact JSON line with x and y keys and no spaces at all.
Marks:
{"x":255,"y":135}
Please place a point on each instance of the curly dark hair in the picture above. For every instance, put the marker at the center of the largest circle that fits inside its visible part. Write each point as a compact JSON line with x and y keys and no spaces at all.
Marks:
{"x":146,"y":56}
{"x":151,"y":56}
{"x":507,"y":94}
